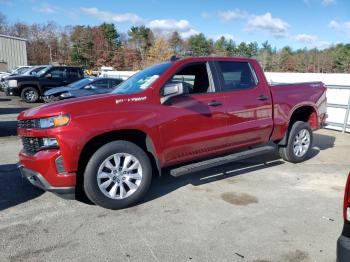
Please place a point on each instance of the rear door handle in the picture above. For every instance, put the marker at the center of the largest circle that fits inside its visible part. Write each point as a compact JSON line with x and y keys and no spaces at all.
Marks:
{"x":263,"y":98}
{"x":214,"y":103}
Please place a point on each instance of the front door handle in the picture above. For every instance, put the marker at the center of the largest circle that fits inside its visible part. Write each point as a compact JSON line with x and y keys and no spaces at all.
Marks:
{"x":214,"y":103}
{"x":263,"y":98}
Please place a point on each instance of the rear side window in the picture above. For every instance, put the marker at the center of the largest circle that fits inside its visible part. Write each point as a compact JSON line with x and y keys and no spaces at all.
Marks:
{"x":74,"y":73}
{"x":58,"y":73}
{"x":237,"y":75}
{"x":113,"y":83}
{"x":100,"y":84}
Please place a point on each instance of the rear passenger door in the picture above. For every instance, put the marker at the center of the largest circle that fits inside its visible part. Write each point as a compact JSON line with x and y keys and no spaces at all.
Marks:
{"x":248,"y":104}
{"x":73,"y":75}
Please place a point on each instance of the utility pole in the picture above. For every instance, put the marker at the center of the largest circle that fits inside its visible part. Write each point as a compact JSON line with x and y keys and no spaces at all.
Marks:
{"x":50,"y":54}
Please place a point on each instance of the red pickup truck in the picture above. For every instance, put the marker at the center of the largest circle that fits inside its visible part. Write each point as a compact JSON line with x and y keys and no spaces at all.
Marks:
{"x":168,"y":114}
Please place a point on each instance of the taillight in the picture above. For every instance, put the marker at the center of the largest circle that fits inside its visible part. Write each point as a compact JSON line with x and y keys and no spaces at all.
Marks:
{"x":346,"y":209}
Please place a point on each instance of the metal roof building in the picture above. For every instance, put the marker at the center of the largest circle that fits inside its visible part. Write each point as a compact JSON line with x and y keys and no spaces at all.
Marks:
{"x":13,"y":52}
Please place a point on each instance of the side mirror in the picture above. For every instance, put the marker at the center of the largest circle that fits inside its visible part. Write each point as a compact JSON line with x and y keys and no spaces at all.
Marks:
{"x":48,"y":75}
{"x":173,"y":89}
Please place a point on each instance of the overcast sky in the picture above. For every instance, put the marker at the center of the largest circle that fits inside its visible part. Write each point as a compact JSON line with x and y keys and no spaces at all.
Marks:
{"x":297,"y":23}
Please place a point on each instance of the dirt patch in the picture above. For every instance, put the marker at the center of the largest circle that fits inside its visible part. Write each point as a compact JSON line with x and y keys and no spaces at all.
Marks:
{"x":337,"y":188}
{"x":296,"y":256}
{"x":239,"y":199}
{"x":29,"y":254}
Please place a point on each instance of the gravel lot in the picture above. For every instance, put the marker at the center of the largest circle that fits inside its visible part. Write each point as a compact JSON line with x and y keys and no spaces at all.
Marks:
{"x":260,"y":209}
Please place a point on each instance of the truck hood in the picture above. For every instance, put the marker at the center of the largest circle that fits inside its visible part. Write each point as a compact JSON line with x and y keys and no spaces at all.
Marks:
{"x":20,"y":78}
{"x":96,"y":104}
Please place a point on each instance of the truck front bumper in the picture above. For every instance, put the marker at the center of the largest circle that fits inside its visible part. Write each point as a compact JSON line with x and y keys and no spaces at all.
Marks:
{"x":343,"y":249}
{"x":41,"y":171}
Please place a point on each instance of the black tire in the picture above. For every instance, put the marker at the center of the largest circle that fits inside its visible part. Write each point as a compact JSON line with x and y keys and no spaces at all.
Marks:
{"x":30,"y":94}
{"x":91,"y":187}
{"x":287,"y":152}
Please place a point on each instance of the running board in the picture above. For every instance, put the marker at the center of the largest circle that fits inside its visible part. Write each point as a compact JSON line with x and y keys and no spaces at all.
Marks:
{"x":198,"y":166}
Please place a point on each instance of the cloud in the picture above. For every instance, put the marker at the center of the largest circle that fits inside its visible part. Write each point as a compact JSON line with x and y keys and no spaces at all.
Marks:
{"x":205,"y":15}
{"x":328,"y":2}
{"x":112,"y":17}
{"x":307,"y":39}
{"x":347,"y":26}
{"x":46,"y":9}
{"x":340,"y":26}
{"x":189,"y":33}
{"x":274,"y":26}
{"x":169,"y":25}
{"x":333,"y":24}
{"x":159,"y":26}
{"x":227,"y":36}
{"x":231,"y":15}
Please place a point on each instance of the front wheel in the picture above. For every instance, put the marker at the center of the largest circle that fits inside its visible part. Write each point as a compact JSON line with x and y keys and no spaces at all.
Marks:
{"x":118,"y":175}
{"x":30,"y":94}
{"x":299,"y":143}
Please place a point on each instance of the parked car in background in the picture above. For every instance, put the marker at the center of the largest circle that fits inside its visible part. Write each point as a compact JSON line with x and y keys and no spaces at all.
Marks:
{"x":32,"y":87}
{"x":84,"y":87}
{"x":168,"y":114}
{"x":16,"y":71}
{"x":31,"y":71}
{"x":343,"y":244}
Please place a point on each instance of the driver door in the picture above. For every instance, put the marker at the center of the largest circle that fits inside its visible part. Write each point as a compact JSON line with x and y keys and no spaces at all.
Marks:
{"x":194,"y":124}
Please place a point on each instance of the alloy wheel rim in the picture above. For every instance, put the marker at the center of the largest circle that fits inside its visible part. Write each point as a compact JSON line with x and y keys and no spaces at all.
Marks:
{"x":301,"y":143}
{"x":119,"y":176}
{"x":30,"y":95}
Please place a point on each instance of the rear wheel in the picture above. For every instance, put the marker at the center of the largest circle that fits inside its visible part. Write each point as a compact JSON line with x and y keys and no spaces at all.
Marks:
{"x":299,"y":143}
{"x":118,"y":175}
{"x":30,"y":94}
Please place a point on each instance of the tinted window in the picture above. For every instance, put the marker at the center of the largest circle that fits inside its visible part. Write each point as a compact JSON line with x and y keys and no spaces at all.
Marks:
{"x":100,"y":84}
{"x":113,"y":83}
{"x":236,"y":75}
{"x":195,"y":77}
{"x":74,"y":73}
{"x":58,"y":73}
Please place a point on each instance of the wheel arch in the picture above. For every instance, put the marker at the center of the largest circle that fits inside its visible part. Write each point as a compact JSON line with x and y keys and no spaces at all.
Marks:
{"x":136,"y":136}
{"x":21,"y":87}
{"x":305,"y":113}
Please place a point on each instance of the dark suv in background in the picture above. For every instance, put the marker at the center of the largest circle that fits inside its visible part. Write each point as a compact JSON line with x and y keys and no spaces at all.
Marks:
{"x":32,"y":87}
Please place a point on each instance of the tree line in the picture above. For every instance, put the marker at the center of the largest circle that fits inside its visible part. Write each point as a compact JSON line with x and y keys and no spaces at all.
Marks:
{"x":105,"y":45}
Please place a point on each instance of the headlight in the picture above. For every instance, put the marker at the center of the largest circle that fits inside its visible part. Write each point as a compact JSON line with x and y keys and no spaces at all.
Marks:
{"x":12,"y":83}
{"x":65,"y":95}
{"x":54,"y":121}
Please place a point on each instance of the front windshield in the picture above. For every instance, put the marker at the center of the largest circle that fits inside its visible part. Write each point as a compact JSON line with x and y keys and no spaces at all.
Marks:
{"x":22,"y":70}
{"x":141,"y":80}
{"x":81,"y":83}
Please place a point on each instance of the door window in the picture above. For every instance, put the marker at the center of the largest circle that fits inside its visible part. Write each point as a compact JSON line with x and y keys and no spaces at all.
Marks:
{"x":58,"y":73}
{"x":195,"y":77}
{"x":73,"y":73}
{"x":237,"y":76}
{"x":100,"y":84}
{"x":113,"y":83}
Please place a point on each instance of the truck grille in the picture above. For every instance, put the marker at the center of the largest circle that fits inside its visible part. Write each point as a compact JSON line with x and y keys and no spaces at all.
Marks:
{"x":31,"y":123}
{"x":31,"y":145}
